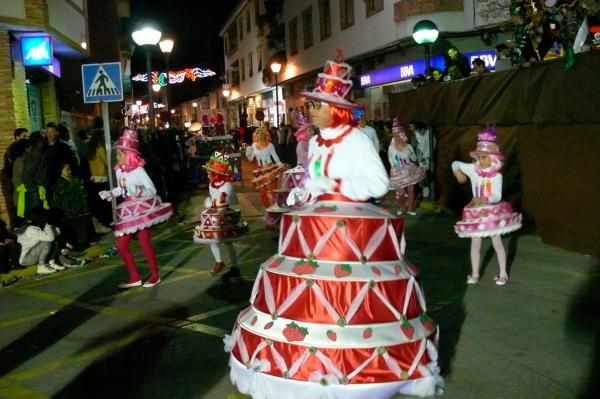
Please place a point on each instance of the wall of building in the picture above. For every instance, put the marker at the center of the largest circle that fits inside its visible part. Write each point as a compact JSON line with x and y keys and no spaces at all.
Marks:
{"x":12,"y":9}
{"x":68,"y":18}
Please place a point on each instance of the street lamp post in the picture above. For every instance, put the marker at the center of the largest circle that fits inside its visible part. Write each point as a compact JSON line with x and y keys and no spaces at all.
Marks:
{"x":276,"y":67}
{"x":166,"y":46}
{"x":147,"y":38}
{"x":426,"y":32}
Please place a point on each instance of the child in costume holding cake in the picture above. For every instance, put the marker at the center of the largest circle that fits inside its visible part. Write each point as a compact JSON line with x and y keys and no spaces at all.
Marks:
{"x":337,"y":313}
{"x":220,"y":223}
{"x":486,"y":215}
{"x":269,"y":166}
{"x":141,"y":208}
{"x":404,"y":173}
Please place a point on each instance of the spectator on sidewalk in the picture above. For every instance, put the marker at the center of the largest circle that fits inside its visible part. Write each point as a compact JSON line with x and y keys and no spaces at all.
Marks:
{"x":98,"y":181}
{"x":366,"y":129}
{"x":479,"y":66}
{"x":36,"y":239}
{"x":421,"y":144}
{"x":457,"y":65}
{"x":20,"y":152}
{"x":57,"y":153}
{"x":20,"y":133}
{"x":34,"y":177}
{"x":9,"y":249}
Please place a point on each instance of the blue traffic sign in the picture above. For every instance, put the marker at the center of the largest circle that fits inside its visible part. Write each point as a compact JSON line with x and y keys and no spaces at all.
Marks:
{"x":102,"y":82}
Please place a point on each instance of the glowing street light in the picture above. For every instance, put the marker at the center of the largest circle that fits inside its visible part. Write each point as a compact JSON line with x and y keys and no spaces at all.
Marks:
{"x":276,"y":67}
{"x":147,"y":37}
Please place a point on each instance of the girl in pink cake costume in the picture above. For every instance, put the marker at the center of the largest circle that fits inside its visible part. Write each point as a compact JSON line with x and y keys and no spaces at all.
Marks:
{"x":141,"y":208}
{"x":337,"y":313}
{"x":404,"y":173}
{"x":486,"y":215}
{"x":220,"y":223}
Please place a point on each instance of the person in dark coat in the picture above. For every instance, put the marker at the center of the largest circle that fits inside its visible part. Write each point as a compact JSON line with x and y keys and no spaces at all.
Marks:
{"x":57,"y":153}
{"x":34,"y":176}
{"x":457,"y":65}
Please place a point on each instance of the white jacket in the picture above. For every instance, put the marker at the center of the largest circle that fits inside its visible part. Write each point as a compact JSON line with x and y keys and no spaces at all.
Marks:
{"x":31,"y":236}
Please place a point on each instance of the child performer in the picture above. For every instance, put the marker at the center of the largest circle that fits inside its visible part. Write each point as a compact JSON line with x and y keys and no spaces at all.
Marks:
{"x":404,"y":173}
{"x":220,"y":222}
{"x":141,"y":208}
{"x":269,"y":166}
{"x":486,"y":215}
{"x":303,"y":135}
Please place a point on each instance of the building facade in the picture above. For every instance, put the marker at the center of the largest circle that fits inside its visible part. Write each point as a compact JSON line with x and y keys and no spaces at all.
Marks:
{"x":28,"y":94}
{"x":376,"y":38}
{"x":252,"y":36}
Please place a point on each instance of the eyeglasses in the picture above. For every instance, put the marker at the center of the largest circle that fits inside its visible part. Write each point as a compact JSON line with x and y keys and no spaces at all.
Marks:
{"x":314,"y":104}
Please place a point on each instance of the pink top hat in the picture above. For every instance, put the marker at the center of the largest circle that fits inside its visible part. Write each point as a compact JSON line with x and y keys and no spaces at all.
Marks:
{"x":333,"y":84}
{"x":486,"y":144}
{"x":303,"y":123}
{"x":128,"y":141}
{"x":398,"y":130}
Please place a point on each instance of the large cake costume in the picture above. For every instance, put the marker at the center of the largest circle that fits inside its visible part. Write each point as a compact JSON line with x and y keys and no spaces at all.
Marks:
{"x":337,"y":312}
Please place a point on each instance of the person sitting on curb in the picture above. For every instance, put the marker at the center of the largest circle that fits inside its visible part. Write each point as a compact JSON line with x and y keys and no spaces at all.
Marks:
{"x":36,"y":238}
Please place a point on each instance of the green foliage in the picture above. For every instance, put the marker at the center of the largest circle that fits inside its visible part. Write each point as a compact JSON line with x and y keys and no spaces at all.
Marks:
{"x":70,"y":196}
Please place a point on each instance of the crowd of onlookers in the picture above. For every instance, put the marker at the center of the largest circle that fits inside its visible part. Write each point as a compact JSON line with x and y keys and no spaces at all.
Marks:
{"x":54,"y":177}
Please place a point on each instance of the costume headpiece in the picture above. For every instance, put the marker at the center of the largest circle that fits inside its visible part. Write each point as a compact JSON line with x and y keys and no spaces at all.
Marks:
{"x":486,"y":143}
{"x":302,"y":123}
{"x":262,"y":133}
{"x":129,"y":141}
{"x":398,"y":130}
{"x":333,"y":84}
{"x":219,"y":163}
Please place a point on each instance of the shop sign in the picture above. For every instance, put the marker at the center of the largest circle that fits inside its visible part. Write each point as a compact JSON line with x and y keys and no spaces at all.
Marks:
{"x":398,"y":73}
{"x":36,"y":50}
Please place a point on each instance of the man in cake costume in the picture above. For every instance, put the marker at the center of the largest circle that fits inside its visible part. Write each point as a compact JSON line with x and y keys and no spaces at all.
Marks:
{"x":141,"y":208}
{"x":337,"y":313}
{"x":404,"y":173}
{"x":220,"y":223}
{"x":486,"y":215}
{"x":269,"y":166}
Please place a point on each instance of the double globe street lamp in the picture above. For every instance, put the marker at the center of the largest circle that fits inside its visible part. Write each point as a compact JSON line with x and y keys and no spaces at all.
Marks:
{"x":148,"y":37}
{"x":276,"y":67}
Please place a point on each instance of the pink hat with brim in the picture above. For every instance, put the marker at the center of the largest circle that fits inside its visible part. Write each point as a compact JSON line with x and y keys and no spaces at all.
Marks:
{"x":486,"y":144}
{"x":334,"y":84}
{"x":128,"y":141}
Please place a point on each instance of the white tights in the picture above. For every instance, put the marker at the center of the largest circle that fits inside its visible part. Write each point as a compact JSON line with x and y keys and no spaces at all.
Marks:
{"x":476,"y":255}
{"x":214,"y":247}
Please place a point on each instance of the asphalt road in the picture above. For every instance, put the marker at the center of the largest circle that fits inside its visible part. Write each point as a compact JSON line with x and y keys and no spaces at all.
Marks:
{"x":74,"y":335}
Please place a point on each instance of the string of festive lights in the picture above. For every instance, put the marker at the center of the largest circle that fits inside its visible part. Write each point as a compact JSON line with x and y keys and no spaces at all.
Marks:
{"x":175,"y":77}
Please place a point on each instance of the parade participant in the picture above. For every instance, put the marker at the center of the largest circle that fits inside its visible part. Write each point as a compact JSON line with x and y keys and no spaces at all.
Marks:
{"x":404,"y":174}
{"x":337,"y":312}
{"x":219,"y":222}
{"x":141,"y":208}
{"x":303,"y":134}
{"x":486,"y":215}
{"x":269,"y":166}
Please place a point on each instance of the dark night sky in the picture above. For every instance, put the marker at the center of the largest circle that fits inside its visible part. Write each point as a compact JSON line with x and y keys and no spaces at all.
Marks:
{"x":194,"y":25}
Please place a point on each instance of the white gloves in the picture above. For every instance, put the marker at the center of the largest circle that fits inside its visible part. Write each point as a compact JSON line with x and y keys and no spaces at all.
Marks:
{"x":106,"y":195}
{"x":207,"y":202}
{"x":297,"y":197}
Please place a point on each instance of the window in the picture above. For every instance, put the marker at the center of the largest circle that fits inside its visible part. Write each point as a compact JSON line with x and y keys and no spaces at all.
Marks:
{"x":259,"y":58}
{"x":372,"y":7}
{"x":293,"y":35}
{"x":232,"y":40}
{"x":242,"y":69}
{"x":307,"y":27}
{"x":241,"y":28}
{"x":346,"y":13}
{"x":235,"y":73}
{"x":324,"y":19}
{"x":250,"y":68}
{"x":248,"y":24}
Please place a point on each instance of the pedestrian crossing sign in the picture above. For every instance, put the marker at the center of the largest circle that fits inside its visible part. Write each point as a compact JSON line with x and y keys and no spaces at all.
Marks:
{"x":102,"y":82}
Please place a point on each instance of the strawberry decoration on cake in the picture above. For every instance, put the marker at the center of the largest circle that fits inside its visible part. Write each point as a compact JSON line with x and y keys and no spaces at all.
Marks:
{"x":407,"y":329}
{"x":305,"y":266}
{"x":342,"y":270}
{"x":293,"y":332}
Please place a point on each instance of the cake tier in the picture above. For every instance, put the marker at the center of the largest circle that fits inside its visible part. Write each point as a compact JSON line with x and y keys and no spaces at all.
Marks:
{"x":341,"y":231}
{"x":267,"y":173}
{"x":311,"y":292}
{"x":488,"y":220}
{"x":138,"y":214}
{"x":220,"y":223}
{"x":293,"y":177}
{"x":405,"y":176}
{"x":367,"y":359}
